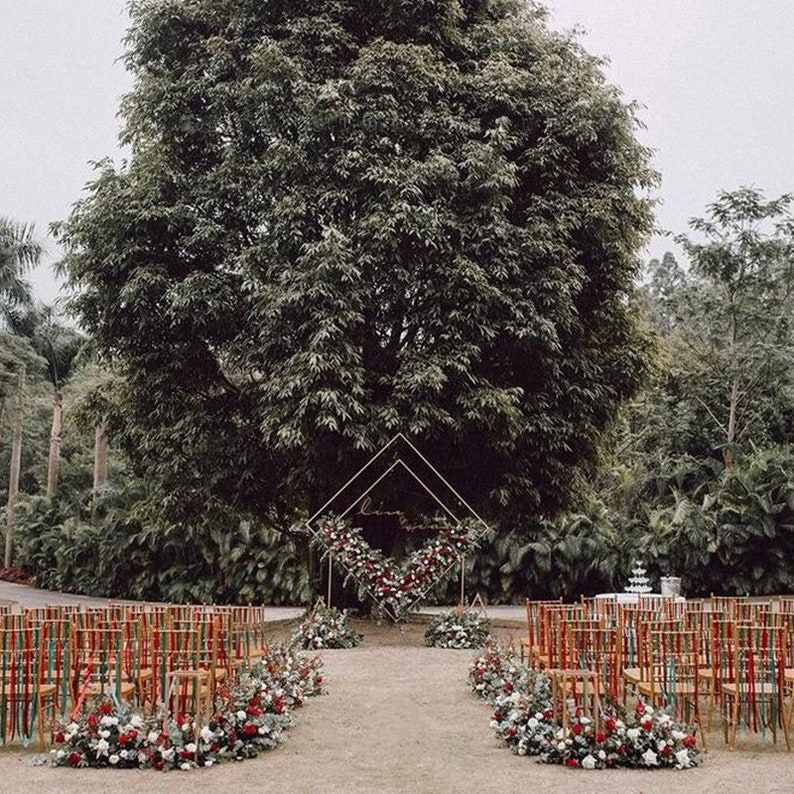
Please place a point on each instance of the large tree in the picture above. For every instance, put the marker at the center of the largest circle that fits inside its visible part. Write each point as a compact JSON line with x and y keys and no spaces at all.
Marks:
{"x":344,"y":219}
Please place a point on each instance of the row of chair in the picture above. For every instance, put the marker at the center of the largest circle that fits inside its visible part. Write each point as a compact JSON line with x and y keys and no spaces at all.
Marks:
{"x":61,"y":659}
{"x":735,"y":653}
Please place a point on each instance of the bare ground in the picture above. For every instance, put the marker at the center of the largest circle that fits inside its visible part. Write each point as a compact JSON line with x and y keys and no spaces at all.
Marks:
{"x":398,"y":717}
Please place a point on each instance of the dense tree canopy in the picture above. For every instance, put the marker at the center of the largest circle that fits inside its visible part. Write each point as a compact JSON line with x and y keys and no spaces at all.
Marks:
{"x":344,"y":219}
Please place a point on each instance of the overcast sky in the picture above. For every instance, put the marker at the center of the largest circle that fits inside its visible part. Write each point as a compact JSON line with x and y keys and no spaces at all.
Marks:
{"x":714,"y":77}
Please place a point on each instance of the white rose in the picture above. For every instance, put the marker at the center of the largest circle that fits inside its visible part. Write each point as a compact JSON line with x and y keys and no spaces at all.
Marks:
{"x":262,"y":730}
{"x":588,"y":762}
{"x":206,"y":733}
{"x":209,"y":762}
{"x":532,"y":723}
{"x":136,"y":721}
{"x":108,"y":720}
{"x":633,"y":734}
{"x":661,"y":744}
{"x":168,"y":754}
{"x":648,"y":709}
{"x":561,"y":746}
{"x":522,"y":750}
{"x":102,"y":747}
{"x":124,"y":754}
{"x":153,"y":737}
{"x":539,"y":715}
{"x":682,"y":758}
{"x":191,"y":747}
{"x":649,"y":758}
{"x":61,"y":754}
{"x":494,"y":724}
{"x":602,"y":754}
{"x":585,"y":720}
{"x":72,"y":727}
{"x":184,"y":767}
{"x":241,"y":715}
{"x":114,"y":759}
{"x":105,"y":734}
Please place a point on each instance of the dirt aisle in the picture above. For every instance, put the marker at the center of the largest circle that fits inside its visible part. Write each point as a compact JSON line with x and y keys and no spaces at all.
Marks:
{"x":399,"y":718}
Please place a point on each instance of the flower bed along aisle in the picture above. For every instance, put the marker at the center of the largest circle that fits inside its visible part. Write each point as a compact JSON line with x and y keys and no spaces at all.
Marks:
{"x":523,"y":717}
{"x":252,"y":715}
{"x":458,"y":630}
{"x":325,"y":627}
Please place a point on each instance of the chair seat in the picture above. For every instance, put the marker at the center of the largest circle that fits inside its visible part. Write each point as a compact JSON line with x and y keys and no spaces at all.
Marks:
{"x":45,"y":690}
{"x":759,"y":687}
{"x":632,"y":674}
{"x":655,"y":688}
{"x":126,"y":689}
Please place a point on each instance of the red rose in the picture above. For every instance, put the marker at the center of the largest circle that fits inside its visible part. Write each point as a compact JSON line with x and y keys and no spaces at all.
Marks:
{"x":690,"y":741}
{"x":91,"y":721}
{"x":74,"y":759}
{"x":647,"y":725}
{"x":158,"y":764}
{"x":578,"y":713}
{"x":548,"y":714}
{"x":610,"y":725}
{"x":601,"y":737}
{"x":106,"y":708}
{"x":163,"y":737}
{"x":250,"y":729}
{"x":132,"y":735}
{"x":622,"y":750}
{"x":640,"y":707}
{"x":59,"y":738}
{"x":508,"y":687}
{"x":573,"y":762}
{"x":577,"y":728}
{"x":667,"y":751}
{"x":123,"y":739}
{"x":186,"y":754}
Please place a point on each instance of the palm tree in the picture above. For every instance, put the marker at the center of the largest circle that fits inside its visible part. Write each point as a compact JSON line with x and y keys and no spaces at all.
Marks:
{"x":19,"y":252}
{"x":59,"y":346}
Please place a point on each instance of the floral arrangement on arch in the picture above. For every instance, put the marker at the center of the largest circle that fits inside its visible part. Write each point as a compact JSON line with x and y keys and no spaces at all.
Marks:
{"x":465,"y":629}
{"x":396,"y":588}
{"x":325,"y":627}
{"x":251,"y":716}
{"x":524,"y":718}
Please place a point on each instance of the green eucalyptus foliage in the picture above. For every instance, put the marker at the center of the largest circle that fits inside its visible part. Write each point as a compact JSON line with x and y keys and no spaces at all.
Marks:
{"x":344,"y":219}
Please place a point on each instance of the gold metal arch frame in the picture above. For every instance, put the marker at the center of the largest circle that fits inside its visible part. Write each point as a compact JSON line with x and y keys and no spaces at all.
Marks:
{"x":457,"y":517}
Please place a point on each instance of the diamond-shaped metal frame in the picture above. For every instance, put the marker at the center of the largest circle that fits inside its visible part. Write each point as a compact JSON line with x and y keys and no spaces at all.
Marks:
{"x":472,"y":513}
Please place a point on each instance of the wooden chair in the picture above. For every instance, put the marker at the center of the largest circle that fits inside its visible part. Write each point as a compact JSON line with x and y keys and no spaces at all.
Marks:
{"x":185,"y":671}
{"x":531,"y":644}
{"x":759,"y":696}
{"x":99,"y":658}
{"x":25,"y":694}
{"x":671,"y":680}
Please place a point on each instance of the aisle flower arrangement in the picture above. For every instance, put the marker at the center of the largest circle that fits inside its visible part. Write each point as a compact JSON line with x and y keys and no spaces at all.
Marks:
{"x":524,"y":719}
{"x":458,"y":630}
{"x":397,"y":588}
{"x":252,"y":715}
{"x":325,"y":627}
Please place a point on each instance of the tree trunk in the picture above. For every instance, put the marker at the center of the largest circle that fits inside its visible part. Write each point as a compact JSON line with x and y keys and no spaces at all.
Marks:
{"x":54,"y":461}
{"x":13,"y":479}
{"x":100,"y":455}
{"x":727,"y":455}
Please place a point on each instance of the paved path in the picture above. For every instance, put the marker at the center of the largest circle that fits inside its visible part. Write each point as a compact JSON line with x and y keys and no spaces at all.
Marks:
{"x":30,"y":597}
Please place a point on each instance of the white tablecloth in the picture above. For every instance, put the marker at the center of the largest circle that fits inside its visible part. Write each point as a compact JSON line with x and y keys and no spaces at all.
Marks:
{"x":633,"y":598}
